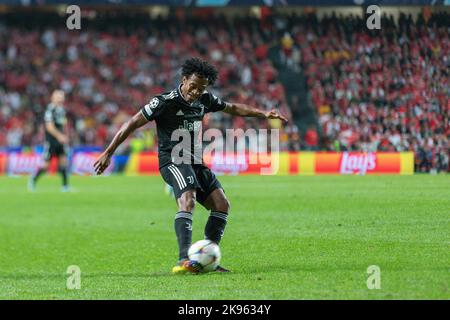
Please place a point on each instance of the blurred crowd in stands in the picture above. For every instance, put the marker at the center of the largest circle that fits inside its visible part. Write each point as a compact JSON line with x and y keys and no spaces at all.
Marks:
{"x":109,"y":74}
{"x":379,"y":90}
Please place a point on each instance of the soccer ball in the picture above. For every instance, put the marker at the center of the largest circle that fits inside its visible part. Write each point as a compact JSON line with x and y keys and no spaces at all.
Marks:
{"x":207,"y":253}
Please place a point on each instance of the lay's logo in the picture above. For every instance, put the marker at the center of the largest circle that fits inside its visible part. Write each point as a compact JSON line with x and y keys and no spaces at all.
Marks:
{"x":358,"y":163}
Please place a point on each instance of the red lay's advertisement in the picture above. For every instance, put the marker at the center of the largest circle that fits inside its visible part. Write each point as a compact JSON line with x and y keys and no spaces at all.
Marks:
{"x":357,"y":163}
{"x":296,"y":163}
{"x":283,"y":163}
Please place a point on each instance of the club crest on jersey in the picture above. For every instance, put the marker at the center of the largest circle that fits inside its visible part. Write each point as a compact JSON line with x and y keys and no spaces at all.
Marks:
{"x":191,"y":126}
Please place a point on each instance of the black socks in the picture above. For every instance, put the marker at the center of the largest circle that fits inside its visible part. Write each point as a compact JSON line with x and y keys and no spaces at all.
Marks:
{"x":216,"y":226}
{"x":63,"y":172}
{"x":183,"y":229}
{"x":39,"y":173}
{"x":214,"y":229}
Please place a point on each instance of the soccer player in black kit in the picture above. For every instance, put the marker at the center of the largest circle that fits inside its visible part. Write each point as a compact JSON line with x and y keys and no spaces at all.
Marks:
{"x":56,"y":141}
{"x":183,"y":109}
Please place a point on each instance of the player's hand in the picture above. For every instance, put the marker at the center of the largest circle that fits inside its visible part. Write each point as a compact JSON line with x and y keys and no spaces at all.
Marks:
{"x":274,"y":114}
{"x":102,"y":163}
{"x":63,"y":139}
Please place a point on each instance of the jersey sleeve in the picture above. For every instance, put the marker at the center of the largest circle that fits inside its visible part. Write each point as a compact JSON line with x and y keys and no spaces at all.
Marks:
{"x":48,"y":115}
{"x":215,"y":103}
{"x":154,"y":108}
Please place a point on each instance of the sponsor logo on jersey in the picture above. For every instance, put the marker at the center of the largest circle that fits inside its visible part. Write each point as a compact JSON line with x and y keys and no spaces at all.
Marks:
{"x":191,"y":126}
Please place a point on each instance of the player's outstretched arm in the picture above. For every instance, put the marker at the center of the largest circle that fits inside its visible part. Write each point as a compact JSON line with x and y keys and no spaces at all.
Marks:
{"x":243,"y":110}
{"x":103,"y":161}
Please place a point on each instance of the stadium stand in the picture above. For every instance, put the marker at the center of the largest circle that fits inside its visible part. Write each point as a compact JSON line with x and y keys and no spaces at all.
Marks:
{"x":110,"y":74}
{"x":384,"y":90}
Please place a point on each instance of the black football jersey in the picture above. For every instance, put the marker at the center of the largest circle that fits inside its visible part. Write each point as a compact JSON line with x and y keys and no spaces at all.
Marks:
{"x":179,"y":124}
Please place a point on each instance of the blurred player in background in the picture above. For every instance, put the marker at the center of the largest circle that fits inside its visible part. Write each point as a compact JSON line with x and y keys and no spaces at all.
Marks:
{"x":183,"y":109}
{"x":56,"y":141}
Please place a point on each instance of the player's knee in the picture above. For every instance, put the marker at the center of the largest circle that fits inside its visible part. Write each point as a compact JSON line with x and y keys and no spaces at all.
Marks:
{"x":227,"y":205}
{"x":188,"y":205}
{"x":187,"y":202}
{"x":223,"y":205}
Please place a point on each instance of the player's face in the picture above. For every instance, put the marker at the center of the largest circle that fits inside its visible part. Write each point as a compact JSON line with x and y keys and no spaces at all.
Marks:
{"x":192,"y":87}
{"x":58,"y":97}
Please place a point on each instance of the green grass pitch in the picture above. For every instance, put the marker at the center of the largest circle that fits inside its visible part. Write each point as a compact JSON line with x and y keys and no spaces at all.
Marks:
{"x":287,"y":238}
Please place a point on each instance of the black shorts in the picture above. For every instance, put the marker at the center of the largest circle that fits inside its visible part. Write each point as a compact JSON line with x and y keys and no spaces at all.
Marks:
{"x":184,"y":177}
{"x":52,"y":149}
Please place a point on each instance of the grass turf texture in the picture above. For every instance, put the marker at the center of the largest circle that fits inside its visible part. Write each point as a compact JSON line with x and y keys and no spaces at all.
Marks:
{"x":287,"y":238}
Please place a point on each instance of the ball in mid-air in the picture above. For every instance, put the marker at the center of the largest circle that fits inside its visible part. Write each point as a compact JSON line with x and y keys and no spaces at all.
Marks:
{"x":207,"y":253}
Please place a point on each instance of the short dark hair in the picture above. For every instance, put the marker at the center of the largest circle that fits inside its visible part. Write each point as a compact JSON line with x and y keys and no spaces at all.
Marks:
{"x":200,"y":68}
